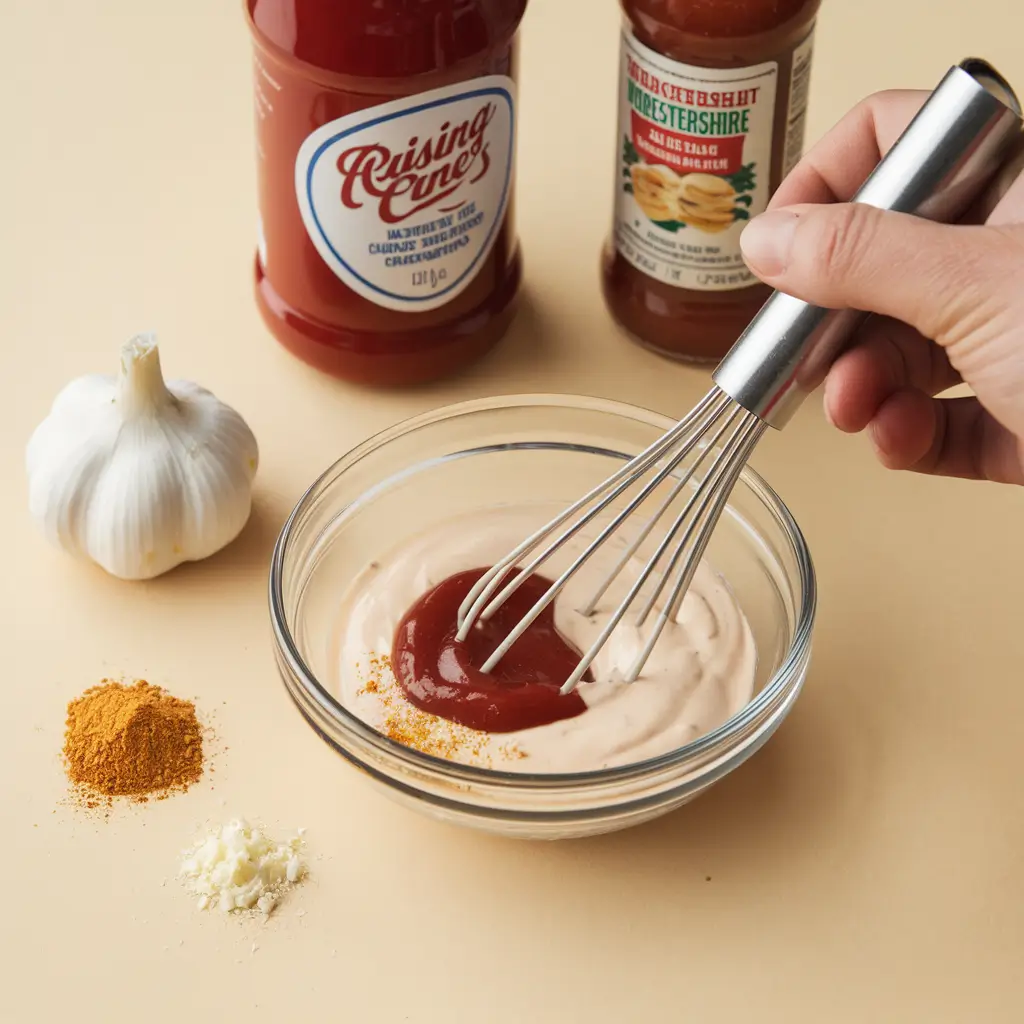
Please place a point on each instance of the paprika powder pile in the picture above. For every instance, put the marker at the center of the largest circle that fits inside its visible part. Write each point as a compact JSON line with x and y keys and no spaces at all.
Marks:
{"x":132,"y":740}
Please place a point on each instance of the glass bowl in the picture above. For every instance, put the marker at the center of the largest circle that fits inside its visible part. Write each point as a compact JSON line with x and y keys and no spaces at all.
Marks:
{"x":548,"y":449}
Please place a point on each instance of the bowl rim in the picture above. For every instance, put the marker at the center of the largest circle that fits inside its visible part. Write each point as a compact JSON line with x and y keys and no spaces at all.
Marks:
{"x":734,"y":726}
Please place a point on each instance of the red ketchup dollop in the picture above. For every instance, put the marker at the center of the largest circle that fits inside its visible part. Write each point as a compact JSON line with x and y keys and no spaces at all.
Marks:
{"x":441,"y":675}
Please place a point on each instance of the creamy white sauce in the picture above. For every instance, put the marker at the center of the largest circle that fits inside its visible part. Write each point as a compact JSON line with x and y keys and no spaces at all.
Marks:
{"x":700,"y":672}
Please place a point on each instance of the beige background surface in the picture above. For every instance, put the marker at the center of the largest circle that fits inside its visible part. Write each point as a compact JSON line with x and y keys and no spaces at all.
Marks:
{"x":866,"y":866}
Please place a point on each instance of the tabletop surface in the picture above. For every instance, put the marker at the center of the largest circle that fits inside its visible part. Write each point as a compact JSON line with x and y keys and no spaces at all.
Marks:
{"x":865,"y":866}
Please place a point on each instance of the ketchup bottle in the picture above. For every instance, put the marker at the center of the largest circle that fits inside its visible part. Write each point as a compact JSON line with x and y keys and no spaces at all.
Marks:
{"x":711,"y":118}
{"x":385,"y":137}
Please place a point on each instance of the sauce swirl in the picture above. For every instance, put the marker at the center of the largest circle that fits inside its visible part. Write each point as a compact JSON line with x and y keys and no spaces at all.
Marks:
{"x":442,"y":675}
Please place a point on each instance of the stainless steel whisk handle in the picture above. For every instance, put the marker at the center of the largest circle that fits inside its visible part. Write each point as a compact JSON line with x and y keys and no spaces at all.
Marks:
{"x":936,"y":169}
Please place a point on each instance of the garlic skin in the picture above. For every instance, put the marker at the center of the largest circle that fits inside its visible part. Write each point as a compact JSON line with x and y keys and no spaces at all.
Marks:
{"x":139,"y":475}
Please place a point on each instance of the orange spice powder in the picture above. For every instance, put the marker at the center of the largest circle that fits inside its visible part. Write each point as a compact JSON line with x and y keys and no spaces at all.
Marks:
{"x":136,"y":741}
{"x":409,"y":725}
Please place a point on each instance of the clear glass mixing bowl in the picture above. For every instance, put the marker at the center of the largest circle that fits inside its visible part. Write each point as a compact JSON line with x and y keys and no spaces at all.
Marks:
{"x":547,"y":449}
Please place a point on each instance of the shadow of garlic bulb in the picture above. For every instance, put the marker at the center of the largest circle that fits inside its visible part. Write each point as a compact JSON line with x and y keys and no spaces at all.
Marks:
{"x":139,"y":475}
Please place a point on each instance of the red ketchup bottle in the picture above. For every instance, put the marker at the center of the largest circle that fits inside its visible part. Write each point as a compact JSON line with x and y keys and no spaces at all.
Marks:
{"x":385,"y":137}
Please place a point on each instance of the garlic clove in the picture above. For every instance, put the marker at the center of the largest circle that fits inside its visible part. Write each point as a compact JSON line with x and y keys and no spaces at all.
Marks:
{"x":65,"y":456}
{"x":221,"y":458}
{"x":134,"y":527}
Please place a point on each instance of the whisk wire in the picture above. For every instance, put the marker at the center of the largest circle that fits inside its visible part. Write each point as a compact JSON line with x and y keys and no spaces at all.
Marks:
{"x":753,"y":430}
{"x":723,"y":434}
{"x":514,"y":584}
{"x":475,"y":603}
{"x":559,"y":584}
{"x":702,"y":494}
{"x":700,"y":499}
{"x":644,"y":533}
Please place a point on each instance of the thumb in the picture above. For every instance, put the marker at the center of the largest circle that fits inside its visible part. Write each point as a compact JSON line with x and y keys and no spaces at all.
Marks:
{"x":935,"y":277}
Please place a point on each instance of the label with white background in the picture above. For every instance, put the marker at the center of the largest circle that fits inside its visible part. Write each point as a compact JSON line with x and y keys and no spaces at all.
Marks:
{"x":404,"y":201}
{"x":694,"y":165}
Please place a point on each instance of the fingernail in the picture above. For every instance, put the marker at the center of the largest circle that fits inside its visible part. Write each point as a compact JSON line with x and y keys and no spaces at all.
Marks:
{"x":766,"y":242}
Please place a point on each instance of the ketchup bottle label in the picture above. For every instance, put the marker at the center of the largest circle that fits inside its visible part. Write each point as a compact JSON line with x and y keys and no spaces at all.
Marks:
{"x":695,"y":150}
{"x":404,"y":200}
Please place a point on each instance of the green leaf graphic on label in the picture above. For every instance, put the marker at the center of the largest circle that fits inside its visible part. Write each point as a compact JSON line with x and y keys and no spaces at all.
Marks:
{"x":629,"y":157}
{"x":744,"y":179}
{"x":669,"y":225}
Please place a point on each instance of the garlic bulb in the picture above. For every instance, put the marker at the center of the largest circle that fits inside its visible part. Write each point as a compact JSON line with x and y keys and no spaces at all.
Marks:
{"x":138,"y":475}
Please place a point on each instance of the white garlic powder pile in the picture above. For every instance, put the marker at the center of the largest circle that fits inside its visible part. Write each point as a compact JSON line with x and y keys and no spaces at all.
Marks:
{"x":238,"y":867}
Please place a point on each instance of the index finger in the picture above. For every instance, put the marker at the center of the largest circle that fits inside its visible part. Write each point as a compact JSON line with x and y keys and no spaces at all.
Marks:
{"x":838,"y":164}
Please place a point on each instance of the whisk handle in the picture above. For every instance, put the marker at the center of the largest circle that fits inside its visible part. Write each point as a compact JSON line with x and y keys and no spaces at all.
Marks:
{"x":936,"y":169}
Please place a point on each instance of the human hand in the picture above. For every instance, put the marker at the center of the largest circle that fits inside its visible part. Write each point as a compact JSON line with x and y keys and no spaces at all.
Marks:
{"x":950,"y":301}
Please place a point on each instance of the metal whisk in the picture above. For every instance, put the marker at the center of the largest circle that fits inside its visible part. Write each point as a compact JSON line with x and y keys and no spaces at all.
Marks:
{"x":936,"y":169}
